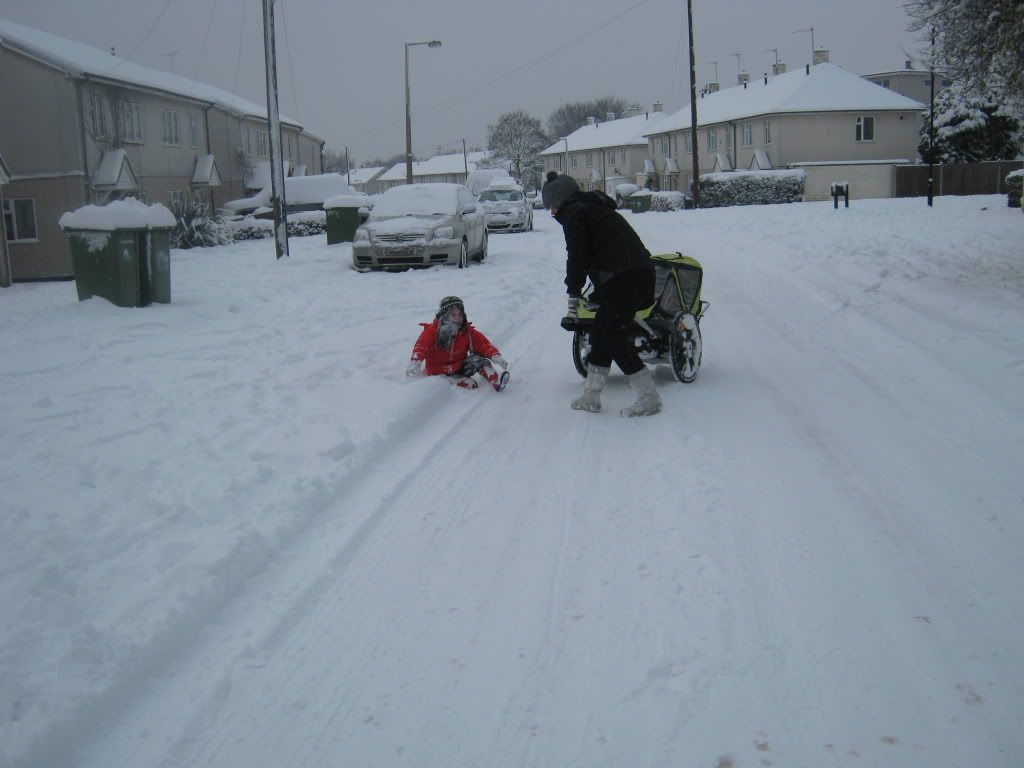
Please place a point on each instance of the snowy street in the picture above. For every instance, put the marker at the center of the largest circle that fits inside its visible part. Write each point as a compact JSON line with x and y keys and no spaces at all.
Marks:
{"x":233,"y":534}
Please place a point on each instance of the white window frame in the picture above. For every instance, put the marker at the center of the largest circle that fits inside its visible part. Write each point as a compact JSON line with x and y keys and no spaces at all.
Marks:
{"x":572,"y":161}
{"x":747,"y":134}
{"x":98,"y":114}
{"x":712,"y":139}
{"x":864,"y":122}
{"x":261,"y":143}
{"x":169,"y":121}
{"x":9,"y":212}
{"x":687,"y":141}
{"x":609,"y":157}
{"x":131,"y":122}
{"x":193,"y":130}
{"x":176,"y":197}
{"x":623,"y":159}
{"x":767,"y":132}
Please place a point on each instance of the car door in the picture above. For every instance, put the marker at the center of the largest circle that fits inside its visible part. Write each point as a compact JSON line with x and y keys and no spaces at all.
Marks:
{"x":475,"y":222}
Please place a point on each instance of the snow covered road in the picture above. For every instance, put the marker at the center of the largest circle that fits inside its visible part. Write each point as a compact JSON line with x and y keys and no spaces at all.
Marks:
{"x":235,"y":536}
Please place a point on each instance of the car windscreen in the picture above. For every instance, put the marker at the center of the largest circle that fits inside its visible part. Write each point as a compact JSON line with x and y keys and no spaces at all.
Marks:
{"x":404,"y":201}
{"x":501,"y":195}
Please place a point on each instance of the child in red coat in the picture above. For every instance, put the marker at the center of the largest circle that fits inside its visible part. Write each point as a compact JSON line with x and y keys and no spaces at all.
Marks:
{"x":452,"y":347}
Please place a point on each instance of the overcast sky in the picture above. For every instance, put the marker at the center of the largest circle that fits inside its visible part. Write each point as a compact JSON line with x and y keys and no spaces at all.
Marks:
{"x":341,"y":64}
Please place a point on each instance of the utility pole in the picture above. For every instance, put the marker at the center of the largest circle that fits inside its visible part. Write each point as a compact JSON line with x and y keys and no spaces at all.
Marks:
{"x":931,"y":126}
{"x":277,"y":197}
{"x":348,"y":168}
{"x":465,"y":159}
{"x":695,"y":184}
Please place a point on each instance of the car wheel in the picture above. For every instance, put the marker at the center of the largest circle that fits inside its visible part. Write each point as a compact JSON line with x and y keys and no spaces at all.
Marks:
{"x":483,"y":249}
{"x":463,"y":256}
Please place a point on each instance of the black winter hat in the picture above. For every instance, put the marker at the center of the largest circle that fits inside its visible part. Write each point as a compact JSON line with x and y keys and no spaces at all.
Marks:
{"x":558,"y":189}
{"x":448,"y":303}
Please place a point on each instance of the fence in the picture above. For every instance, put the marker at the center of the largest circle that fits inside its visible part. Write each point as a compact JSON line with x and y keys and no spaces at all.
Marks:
{"x":961,"y":179}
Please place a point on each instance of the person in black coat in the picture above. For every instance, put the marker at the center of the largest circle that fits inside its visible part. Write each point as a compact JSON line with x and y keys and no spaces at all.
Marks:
{"x":601,"y":245}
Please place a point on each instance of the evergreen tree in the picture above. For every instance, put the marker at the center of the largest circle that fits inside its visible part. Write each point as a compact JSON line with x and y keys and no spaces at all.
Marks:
{"x":969,"y":128}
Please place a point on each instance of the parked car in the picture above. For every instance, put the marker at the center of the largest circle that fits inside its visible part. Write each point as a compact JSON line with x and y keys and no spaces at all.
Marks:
{"x":419,"y":225}
{"x":506,"y":208}
{"x":480,"y":179}
{"x":535,"y":200}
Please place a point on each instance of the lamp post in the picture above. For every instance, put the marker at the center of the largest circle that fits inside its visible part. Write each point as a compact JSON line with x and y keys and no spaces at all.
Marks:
{"x":408,"y":114}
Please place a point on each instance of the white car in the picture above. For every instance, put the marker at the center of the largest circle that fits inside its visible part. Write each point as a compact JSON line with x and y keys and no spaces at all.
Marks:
{"x":506,"y":208}
{"x":419,"y":225}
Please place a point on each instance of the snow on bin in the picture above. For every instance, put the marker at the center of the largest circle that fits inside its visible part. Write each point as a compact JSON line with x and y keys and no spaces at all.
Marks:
{"x":639,"y":201}
{"x":344,"y":215}
{"x":121,"y":251}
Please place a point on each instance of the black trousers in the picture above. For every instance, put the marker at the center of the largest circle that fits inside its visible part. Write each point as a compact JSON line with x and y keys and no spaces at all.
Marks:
{"x":620,"y":298}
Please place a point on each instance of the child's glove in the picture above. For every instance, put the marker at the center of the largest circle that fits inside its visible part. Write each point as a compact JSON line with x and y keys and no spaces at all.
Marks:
{"x":573,"y":309}
{"x":413,"y":368}
{"x":500,"y":361}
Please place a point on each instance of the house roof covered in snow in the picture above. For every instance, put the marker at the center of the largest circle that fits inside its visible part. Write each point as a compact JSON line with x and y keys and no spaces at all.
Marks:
{"x":364,"y":175}
{"x":827,"y":88}
{"x":624,"y":132}
{"x":81,"y":60}
{"x":436,"y":166}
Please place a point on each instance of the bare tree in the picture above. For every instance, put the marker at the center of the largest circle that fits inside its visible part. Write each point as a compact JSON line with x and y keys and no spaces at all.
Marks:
{"x":568,"y":117}
{"x":518,"y":138}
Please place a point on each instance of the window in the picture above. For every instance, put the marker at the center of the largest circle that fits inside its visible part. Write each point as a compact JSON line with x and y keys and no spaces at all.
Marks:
{"x":246,"y":143}
{"x":590,"y":159}
{"x":946,"y":82}
{"x":572,"y":160}
{"x":885,"y":83}
{"x":20,"y":219}
{"x":193,"y":130}
{"x":928,"y":81}
{"x":767,"y":132}
{"x":289,"y":145}
{"x":610,"y":157}
{"x":170,"y":124}
{"x":177,"y":197}
{"x":688,"y":141}
{"x":675,"y":144}
{"x":98,"y":115}
{"x":865,"y":129}
{"x":712,"y":139}
{"x":748,"y":134}
{"x":261,"y":143}
{"x":129,"y":116}
{"x":623,"y":154}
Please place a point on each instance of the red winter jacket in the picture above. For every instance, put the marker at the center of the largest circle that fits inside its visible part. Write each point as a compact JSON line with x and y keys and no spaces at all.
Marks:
{"x":449,"y":361}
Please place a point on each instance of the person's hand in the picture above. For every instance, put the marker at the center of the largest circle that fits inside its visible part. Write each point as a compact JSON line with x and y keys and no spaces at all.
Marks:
{"x":500,"y":362}
{"x":573,"y":308}
{"x":413,"y":369}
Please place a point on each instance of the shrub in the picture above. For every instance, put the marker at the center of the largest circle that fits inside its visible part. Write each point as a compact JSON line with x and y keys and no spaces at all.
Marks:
{"x":299,"y":225}
{"x":196,"y":228}
{"x":1014,"y":184}
{"x":751,"y":188}
{"x":670,"y":201}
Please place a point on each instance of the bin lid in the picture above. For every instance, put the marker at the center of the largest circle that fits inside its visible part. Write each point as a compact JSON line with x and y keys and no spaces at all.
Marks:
{"x":346,"y":201}
{"x":120,"y":214}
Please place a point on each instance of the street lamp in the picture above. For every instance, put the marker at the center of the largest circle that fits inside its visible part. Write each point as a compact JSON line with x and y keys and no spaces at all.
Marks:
{"x":408,"y":114}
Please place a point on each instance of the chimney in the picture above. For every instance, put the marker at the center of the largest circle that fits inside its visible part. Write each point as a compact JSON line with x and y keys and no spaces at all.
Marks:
{"x":591,"y":121}
{"x":807,"y":69}
{"x":657,"y":106}
{"x":632,"y":111}
{"x":778,"y":68}
{"x":908,"y":64}
{"x":742,"y":78}
{"x":821,"y":56}
{"x":713,"y":87}
{"x":766,"y":78}
{"x":609,"y":116}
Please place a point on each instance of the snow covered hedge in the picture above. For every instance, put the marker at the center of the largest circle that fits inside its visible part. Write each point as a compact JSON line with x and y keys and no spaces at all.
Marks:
{"x":299,"y":225}
{"x":751,"y":188}
{"x":1014,"y":183}
{"x":668,"y":201}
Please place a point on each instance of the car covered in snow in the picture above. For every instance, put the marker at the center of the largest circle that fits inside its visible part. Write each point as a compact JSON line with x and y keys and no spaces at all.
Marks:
{"x":506,"y":207}
{"x":419,"y":225}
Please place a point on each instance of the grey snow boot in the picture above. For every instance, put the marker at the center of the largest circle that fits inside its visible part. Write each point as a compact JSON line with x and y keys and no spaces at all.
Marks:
{"x":590,"y":400}
{"x":647,"y":399}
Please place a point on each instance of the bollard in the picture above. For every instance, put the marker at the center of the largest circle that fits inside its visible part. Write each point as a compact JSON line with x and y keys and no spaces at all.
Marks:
{"x":840,"y":188}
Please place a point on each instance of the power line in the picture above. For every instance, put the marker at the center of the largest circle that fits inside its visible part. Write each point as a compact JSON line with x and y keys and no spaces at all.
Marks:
{"x":238,"y":60}
{"x":522,"y":68}
{"x":144,"y":38}
{"x":206,"y":37}
{"x":288,"y":51}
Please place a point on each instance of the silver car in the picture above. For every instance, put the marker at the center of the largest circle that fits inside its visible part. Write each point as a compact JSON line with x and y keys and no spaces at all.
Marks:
{"x":506,"y":208}
{"x":419,"y":225}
